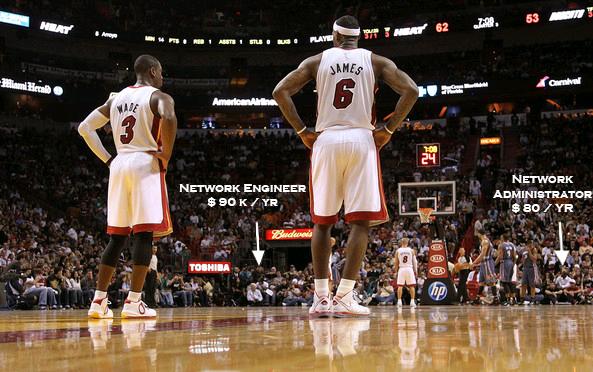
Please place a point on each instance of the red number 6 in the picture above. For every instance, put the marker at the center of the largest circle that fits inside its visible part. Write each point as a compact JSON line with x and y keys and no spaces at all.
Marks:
{"x":343,"y":94}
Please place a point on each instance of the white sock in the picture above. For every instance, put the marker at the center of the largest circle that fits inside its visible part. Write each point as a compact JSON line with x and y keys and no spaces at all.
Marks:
{"x":134,"y":296}
{"x":99,"y":295}
{"x":322,"y":287}
{"x":346,"y":285}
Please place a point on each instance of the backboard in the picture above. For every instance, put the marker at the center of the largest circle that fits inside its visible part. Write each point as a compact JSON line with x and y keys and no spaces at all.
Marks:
{"x":440,"y":196}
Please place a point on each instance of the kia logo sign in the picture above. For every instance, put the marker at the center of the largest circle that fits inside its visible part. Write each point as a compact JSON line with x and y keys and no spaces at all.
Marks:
{"x":437,"y":258}
{"x":437,"y":271}
{"x":437,"y":246}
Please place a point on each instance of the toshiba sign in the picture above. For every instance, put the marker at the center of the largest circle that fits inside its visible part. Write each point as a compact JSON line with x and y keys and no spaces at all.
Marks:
{"x":289,"y":234}
{"x":198,"y":267}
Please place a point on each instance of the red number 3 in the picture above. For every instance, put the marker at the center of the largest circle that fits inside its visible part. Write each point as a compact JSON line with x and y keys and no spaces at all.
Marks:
{"x":343,"y":94}
{"x":128,"y":123}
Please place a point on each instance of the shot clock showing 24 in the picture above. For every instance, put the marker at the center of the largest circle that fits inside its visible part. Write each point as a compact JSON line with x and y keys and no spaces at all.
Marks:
{"x":428,"y":154}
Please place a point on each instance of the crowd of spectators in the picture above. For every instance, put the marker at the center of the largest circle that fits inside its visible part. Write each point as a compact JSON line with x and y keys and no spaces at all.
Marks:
{"x":52,"y":216}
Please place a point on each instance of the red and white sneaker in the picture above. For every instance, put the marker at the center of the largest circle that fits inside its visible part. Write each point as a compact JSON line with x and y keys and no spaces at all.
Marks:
{"x":321,"y":307}
{"x":137,"y":310}
{"x":100,"y":309}
{"x":347,"y":306}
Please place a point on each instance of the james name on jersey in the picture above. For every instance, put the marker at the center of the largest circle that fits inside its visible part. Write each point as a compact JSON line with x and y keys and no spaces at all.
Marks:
{"x":345,"y":68}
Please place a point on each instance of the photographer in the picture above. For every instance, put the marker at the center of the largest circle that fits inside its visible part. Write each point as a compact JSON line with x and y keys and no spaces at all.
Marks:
{"x":13,"y":287}
{"x":385,"y":293}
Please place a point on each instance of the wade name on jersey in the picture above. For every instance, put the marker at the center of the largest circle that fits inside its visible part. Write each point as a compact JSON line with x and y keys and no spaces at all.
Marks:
{"x":351,"y":68}
{"x":127,"y":107}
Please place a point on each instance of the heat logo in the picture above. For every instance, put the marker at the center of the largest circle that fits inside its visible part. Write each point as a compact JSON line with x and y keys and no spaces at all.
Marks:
{"x":54,"y":27}
{"x":437,"y":291}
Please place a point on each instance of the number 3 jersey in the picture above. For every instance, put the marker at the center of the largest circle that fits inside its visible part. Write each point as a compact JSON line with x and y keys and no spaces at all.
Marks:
{"x":135,"y":127}
{"x":137,"y":199}
{"x":345,"y":89}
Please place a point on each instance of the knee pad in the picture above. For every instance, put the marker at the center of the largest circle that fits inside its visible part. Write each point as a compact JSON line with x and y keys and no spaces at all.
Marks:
{"x":113,"y":250}
{"x":142,"y":248}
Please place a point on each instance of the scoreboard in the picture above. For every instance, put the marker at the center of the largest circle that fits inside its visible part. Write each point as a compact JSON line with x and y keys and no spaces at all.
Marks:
{"x":428,"y":155}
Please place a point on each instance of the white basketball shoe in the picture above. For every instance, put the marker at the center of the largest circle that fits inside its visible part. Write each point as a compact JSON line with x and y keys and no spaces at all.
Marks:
{"x":100,"y":309}
{"x":137,"y":309}
{"x":321,"y":307}
{"x":347,"y":306}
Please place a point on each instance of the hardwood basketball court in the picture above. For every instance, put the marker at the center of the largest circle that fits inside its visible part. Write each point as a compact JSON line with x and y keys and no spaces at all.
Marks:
{"x":526,"y":338}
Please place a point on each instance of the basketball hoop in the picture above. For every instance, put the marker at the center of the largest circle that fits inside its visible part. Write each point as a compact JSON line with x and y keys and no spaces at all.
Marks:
{"x":425,"y":215}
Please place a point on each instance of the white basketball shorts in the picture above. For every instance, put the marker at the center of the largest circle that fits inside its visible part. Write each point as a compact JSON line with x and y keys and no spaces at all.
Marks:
{"x":345,"y":169}
{"x":137,"y":199}
{"x":406,"y":277}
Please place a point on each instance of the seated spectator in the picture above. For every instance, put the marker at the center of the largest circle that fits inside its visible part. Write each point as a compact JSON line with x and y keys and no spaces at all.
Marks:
{"x":551,"y":293}
{"x":254,"y":296}
{"x":565,"y":283}
{"x":269,"y":296}
{"x":182,"y":295}
{"x":46,"y":295}
{"x":88,"y":286}
{"x":293,"y":297}
{"x":74,"y":289}
{"x":165,"y":291}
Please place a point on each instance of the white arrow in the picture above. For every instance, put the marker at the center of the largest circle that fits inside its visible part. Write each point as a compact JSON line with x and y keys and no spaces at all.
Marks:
{"x":257,"y":253}
{"x":561,"y":254}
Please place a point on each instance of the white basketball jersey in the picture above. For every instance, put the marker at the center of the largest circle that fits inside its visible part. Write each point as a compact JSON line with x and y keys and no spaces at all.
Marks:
{"x":345,"y":89}
{"x":135,"y":127}
{"x":405,"y":255}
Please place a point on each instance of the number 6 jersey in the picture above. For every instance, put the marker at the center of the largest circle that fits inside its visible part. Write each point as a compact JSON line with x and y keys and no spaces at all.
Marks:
{"x":345,"y":89}
{"x":135,"y":127}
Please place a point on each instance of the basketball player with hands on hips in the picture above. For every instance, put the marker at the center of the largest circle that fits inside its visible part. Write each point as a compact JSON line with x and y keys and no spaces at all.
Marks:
{"x":144,"y":127}
{"x":406,"y":267}
{"x":345,"y":148}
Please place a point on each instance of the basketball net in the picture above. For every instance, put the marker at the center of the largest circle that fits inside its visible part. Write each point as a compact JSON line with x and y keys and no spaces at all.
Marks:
{"x":425,"y":215}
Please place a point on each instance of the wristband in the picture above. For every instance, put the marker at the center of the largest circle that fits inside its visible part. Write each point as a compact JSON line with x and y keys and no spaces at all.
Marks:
{"x":108,"y":162}
{"x":388,"y":131}
{"x":302,"y":130}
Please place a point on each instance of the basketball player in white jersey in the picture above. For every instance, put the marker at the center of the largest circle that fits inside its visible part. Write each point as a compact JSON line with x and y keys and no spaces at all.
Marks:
{"x":144,"y":126}
{"x":345,"y":147}
{"x":406,"y":267}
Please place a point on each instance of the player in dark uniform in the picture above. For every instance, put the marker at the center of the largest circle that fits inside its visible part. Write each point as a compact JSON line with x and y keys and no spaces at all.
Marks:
{"x":506,"y":257}
{"x":530,"y":273}
{"x":487,"y":270}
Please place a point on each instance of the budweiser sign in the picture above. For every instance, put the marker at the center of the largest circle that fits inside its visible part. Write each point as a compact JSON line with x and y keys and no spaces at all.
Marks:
{"x":198,"y":267}
{"x":289,"y":234}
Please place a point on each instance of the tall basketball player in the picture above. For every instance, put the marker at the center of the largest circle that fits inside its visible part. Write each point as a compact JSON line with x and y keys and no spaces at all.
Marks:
{"x":406,"y":267}
{"x":345,"y":147}
{"x":487,"y":275}
{"x":144,"y":126}
{"x":506,"y":257}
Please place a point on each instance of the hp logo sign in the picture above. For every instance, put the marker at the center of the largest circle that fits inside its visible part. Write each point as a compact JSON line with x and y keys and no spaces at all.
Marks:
{"x":437,"y":291}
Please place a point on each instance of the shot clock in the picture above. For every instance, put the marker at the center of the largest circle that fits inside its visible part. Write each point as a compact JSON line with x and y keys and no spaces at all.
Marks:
{"x":428,"y":154}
